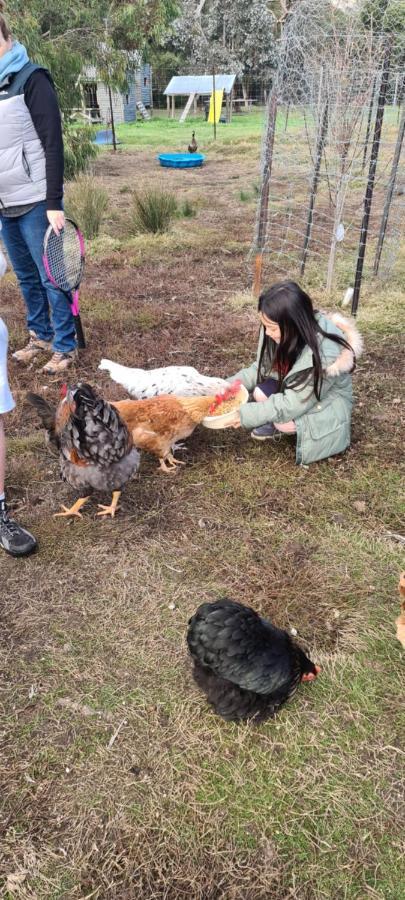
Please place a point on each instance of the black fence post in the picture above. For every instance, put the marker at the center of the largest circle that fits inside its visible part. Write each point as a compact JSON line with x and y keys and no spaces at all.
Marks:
{"x":371,"y":177}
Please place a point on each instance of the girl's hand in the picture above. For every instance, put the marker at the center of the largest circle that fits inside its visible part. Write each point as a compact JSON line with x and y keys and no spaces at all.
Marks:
{"x":234,"y":422}
{"x":56,"y":218}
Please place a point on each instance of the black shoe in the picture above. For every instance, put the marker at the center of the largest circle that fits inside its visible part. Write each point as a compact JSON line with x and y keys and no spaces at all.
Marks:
{"x":13,"y":538}
{"x":265,"y":433}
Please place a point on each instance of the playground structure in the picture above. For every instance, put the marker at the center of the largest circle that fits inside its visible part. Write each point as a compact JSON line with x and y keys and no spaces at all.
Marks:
{"x":195,"y":86}
{"x":332,"y":158}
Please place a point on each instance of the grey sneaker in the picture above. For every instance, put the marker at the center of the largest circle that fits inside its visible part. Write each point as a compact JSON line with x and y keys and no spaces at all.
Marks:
{"x":13,"y":538}
{"x":59,"y":362}
{"x":265,"y":433}
{"x":34,"y":346}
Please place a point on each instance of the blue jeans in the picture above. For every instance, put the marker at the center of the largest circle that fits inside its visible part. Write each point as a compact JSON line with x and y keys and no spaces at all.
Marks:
{"x":48,"y":310}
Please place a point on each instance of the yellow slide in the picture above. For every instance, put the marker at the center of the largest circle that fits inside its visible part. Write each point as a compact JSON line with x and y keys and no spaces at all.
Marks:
{"x":219,"y":96}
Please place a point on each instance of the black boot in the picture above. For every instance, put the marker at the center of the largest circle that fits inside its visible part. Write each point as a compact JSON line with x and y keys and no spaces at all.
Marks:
{"x":13,"y":538}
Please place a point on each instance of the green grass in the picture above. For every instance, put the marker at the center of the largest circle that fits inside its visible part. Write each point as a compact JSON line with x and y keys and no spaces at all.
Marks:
{"x":161,"y":133}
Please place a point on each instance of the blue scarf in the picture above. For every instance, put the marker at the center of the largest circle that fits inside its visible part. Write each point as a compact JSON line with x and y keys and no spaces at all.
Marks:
{"x":13,"y":61}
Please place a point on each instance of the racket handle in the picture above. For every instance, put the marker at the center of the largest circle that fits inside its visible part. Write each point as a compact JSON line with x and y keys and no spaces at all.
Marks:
{"x":81,"y":343}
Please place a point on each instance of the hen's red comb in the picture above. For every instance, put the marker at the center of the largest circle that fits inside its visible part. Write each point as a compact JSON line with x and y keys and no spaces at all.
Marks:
{"x":227,"y":393}
{"x":63,"y":390}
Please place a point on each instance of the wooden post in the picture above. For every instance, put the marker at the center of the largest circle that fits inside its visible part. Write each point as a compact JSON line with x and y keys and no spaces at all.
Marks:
{"x":371,"y":177}
{"x":228,"y":112}
{"x":265,"y":191}
{"x":390,"y":191}
{"x":173,"y":106}
{"x":112,"y":119}
{"x":168,"y":106}
{"x":314,"y":186}
{"x":214,"y":103}
{"x":394,"y":102}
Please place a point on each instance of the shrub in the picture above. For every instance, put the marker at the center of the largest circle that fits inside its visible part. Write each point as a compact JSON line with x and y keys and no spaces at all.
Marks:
{"x":86,"y":203}
{"x":187,"y":210}
{"x":153,"y":211}
{"x":79,"y":150}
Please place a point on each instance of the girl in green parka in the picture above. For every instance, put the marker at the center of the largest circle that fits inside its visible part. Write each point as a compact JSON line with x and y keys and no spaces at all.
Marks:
{"x":301,"y":380}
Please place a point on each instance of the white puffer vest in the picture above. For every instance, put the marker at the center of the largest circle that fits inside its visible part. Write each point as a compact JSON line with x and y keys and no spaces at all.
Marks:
{"x":22,"y":157}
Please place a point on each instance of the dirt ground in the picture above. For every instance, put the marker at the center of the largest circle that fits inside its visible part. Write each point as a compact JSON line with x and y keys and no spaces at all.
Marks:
{"x":116,"y":780}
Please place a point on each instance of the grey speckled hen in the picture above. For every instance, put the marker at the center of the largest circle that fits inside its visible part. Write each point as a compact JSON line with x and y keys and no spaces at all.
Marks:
{"x":95,"y":448}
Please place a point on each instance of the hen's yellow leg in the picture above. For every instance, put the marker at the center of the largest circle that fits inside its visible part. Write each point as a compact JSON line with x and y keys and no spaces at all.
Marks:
{"x":175,"y":462}
{"x":110,"y":510}
{"x":74,"y":510}
{"x":168,"y":470}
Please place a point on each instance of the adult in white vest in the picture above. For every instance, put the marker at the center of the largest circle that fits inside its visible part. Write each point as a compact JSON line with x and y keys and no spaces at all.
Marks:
{"x":31,"y":197}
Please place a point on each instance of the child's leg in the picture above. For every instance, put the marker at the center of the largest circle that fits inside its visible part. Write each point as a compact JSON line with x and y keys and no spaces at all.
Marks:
{"x":286,"y":427}
{"x":264,"y":390}
{"x":259,"y":395}
{"x":2,"y":458}
{"x":13,"y":538}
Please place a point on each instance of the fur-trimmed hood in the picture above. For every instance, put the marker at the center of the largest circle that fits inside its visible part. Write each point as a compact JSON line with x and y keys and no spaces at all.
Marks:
{"x":343,"y":364}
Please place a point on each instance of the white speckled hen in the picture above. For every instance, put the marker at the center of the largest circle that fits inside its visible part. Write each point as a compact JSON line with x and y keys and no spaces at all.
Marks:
{"x":245,"y":665}
{"x":143,"y":384}
{"x":95,"y":447}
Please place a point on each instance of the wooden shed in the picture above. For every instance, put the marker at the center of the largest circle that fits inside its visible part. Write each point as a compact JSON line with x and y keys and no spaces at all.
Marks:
{"x":96,"y":101}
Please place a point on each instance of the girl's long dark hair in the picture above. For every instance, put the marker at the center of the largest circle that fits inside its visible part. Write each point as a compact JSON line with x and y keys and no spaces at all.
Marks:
{"x":288,"y":305}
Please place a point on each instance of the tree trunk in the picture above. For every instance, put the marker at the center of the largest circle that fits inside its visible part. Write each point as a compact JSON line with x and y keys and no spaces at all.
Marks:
{"x":245,"y":93}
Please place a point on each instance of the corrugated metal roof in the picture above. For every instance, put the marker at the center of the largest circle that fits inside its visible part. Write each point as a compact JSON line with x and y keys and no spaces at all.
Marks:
{"x":181,"y":85}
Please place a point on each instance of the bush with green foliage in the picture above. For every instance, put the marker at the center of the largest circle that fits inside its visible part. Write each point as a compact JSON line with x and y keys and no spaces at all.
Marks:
{"x":79,"y":149}
{"x":153,"y":211}
{"x":86,"y":203}
{"x":187,"y":210}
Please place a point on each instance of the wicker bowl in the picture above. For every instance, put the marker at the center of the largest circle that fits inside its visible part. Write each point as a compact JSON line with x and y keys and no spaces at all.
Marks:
{"x":220,"y":421}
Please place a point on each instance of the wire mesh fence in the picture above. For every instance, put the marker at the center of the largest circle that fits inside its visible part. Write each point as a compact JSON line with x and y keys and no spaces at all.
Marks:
{"x":332,"y":157}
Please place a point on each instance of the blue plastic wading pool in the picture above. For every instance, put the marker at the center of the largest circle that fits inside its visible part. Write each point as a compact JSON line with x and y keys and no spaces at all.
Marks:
{"x":181,"y":160}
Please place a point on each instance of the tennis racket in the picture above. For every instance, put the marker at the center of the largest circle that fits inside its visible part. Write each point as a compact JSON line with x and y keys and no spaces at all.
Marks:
{"x":64,"y":265}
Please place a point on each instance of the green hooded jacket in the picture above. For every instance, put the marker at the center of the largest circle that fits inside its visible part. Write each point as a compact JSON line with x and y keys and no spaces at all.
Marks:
{"x":323,"y":427}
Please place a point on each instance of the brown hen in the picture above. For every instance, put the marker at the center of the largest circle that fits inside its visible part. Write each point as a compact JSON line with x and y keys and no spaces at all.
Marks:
{"x":158,"y":424}
{"x":400,"y":621}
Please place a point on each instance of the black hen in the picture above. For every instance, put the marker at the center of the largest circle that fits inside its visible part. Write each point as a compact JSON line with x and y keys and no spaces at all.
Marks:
{"x":245,"y":666}
{"x":95,"y":448}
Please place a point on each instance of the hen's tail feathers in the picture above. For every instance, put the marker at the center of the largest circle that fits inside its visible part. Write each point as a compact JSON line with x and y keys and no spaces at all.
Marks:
{"x":230,"y":701}
{"x":44,"y":409}
{"x":47,"y":414}
{"x":106,"y":364}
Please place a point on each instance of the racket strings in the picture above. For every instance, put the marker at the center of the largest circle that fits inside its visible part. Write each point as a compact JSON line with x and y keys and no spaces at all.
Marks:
{"x":64,"y":257}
